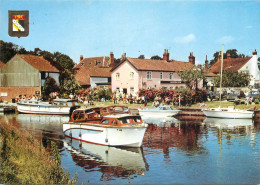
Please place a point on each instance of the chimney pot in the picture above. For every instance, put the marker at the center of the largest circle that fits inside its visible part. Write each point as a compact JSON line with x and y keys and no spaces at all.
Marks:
{"x":81,"y":57}
{"x":255,"y":52}
{"x":166,"y":55}
{"x":206,"y":62}
{"x":192,"y":58}
{"x":112,"y":59}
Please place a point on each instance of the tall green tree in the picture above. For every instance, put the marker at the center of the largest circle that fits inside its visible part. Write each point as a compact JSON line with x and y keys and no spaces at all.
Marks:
{"x":7,"y":51}
{"x":141,"y":57}
{"x":192,"y":76}
{"x":49,"y":86}
{"x":233,"y":79}
{"x":68,"y":83}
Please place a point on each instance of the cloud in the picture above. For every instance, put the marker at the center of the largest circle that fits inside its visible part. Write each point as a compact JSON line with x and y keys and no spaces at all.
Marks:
{"x":185,"y":39}
{"x":225,"y":39}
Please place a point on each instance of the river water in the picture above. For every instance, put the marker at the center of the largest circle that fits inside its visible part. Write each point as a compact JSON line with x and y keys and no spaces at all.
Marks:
{"x":186,"y":151}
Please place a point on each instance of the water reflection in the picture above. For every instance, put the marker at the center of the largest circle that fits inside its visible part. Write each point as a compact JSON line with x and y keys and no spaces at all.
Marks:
{"x":165,"y":121}
{"x":189,"y":151}
{"x":184,"y":136}
{"x":111,"y":161}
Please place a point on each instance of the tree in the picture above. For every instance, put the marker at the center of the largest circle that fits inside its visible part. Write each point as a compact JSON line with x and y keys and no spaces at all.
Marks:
{"x":64,"y":60}
{"x":233,"y":79}
{"x":192,"y":76}
{"x":7,"y":51}
{"x":69,"y":84}
{"x":49,"y":86}
{"x":156,"y":57}
{"x":141,"y":57}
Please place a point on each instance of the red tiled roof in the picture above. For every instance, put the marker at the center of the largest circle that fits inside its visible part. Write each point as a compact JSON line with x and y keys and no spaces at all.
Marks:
{"x":83,"y":77}
{"x":38,"y":62}
{"x":159,"y":65}
{"x":210,"y":74}
{"x":84,"y":73}
{"x":93,"y":62}
{"x":1,"y":64}
{"x":233,"y":64}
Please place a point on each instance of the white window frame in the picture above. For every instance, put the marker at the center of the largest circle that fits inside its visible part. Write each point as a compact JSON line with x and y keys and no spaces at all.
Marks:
{"x":171,"y":75}
{"x":132,"y":90}
{"x":117,"y":76}
{"x":131,"y":75}
{"x":149,"y":75}
{"x":161,"y":75}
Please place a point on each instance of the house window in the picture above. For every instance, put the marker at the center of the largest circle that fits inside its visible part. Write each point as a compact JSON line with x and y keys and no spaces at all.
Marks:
{"x":131,"y":75}
{"x":149,"y":75}
{"x":103,"y":86}
{"x":161,"y":75}
{"x":117,"y":76}
{"x":132,"y":90}
{"x":89,"y":63}
{"x":171,"y":75}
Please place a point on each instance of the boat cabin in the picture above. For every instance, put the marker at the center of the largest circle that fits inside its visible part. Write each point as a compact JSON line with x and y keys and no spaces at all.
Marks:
{"x":122,"y":120}
{"x":97,"y":114}
{"x":64,"y":102}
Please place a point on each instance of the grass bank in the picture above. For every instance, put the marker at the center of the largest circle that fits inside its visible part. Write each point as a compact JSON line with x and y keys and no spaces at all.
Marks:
{"x":23,"y":160}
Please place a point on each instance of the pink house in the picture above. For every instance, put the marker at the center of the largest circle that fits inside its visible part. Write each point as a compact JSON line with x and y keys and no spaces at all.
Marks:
{"x":134,"y":74}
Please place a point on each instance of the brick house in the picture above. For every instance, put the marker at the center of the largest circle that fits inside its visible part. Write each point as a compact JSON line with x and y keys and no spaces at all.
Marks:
{"x":95,"y":71}
{"x":245,"y":64}
{"x":134,"y":74}
{"x":25,"y":75}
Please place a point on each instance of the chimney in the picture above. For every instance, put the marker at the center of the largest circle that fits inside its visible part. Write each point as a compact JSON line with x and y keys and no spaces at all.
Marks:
{"x":166,"y":55}
{"x":206,"y":62}
{"x":228,"y":56}
{"x":219,"y":56}
{"x":192,"y":58}
{"x":255,"y":52}
{"x":123,"y":57}
{"x":112,"y":60}
{"x":81,"y":57}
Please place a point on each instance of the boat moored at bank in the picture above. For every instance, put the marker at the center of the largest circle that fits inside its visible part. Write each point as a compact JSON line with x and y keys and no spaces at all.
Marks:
{"x":110,"y":130}
{"x":56,"y":107}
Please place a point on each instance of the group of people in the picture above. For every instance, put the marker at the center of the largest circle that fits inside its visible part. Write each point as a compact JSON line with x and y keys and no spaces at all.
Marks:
{"x":25,"y":97}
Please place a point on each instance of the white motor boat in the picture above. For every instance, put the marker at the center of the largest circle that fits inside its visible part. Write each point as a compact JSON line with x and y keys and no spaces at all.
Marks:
{"x":57,"y":107}
{"x":228,"y":113}
{"x":110,"y":130}
{"x":158,"y":112}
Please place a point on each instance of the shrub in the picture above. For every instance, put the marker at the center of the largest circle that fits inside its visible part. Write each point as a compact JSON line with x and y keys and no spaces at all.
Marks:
{"x":256,"y":101}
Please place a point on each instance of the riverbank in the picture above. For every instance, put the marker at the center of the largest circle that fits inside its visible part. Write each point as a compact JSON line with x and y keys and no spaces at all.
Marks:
{"x":23,"y":159}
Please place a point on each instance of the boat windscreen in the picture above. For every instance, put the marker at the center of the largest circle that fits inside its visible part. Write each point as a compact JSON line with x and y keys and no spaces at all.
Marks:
{"x":126,"y":120}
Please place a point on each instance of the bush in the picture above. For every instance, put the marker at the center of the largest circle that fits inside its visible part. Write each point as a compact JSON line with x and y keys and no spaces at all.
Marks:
{"x":256,"y":101}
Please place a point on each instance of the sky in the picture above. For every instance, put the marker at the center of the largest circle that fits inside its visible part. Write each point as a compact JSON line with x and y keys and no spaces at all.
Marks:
{"x":96,"y":28}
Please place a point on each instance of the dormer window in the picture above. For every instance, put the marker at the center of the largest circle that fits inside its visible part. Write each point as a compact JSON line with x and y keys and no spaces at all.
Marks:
{"x":82,"y":63}
{"x":131,"y":75}
{"x":171,"y":75}
{"x":117,"y":76}
{"x":89,"y":63}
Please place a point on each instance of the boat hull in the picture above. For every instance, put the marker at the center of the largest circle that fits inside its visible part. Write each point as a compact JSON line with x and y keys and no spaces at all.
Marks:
{"x":43,"y":109}
{"x":233,"y":114}
{"x":109,"y":136}
{"x":157,"y":114}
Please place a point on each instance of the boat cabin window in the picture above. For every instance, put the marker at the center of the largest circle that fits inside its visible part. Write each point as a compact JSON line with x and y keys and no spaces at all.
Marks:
{"x":125,"y":109}
{"x":137,"y":119}
{"x":105,"y":121}
{"x":78,"y":116}
{"x":124,"y":120}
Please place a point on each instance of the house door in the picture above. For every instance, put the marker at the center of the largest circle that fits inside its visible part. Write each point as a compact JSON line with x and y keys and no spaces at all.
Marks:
{"x":125,"y":90}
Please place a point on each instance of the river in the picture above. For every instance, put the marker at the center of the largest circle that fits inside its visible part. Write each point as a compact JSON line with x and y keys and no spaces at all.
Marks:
{"x":209,"y":151}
